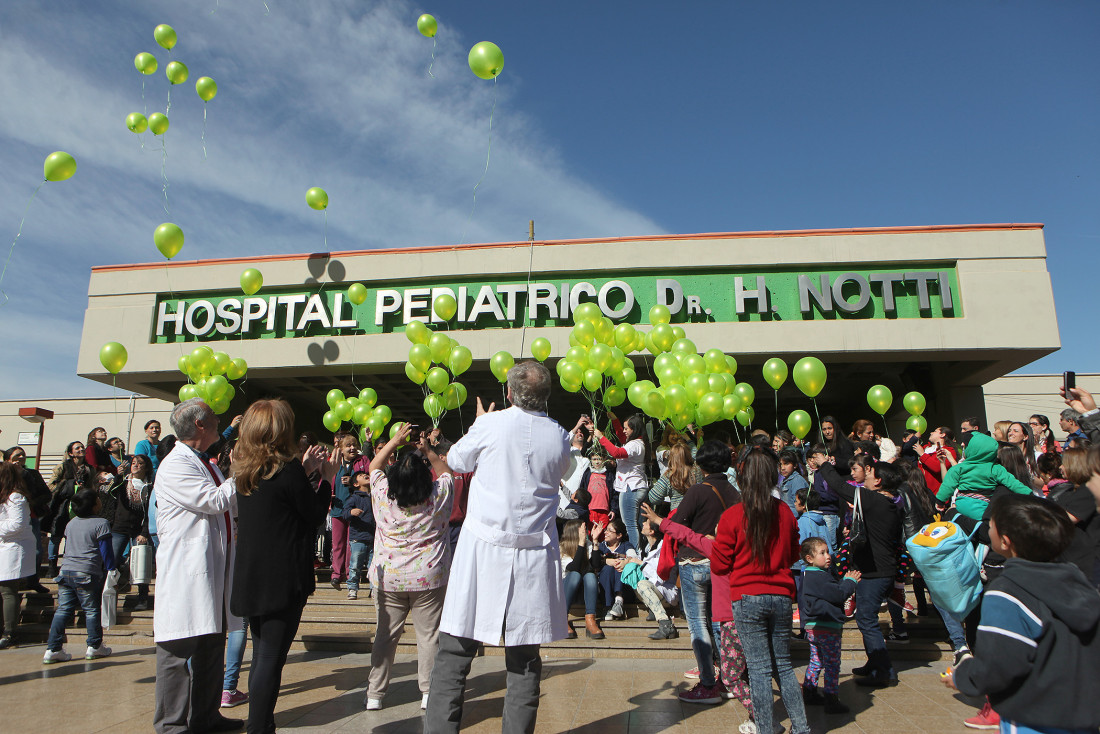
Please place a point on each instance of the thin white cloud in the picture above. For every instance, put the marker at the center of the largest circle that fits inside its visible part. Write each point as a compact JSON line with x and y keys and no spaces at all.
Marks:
{"x":325,"y":94}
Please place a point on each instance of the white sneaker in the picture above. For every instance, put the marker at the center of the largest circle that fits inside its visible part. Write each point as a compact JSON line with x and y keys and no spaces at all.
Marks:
{"x":97,"y":652}
{"x":374,"y":704}
{"x":424,"y":702}
{"x":56,"y":656}
{"x":353,"y":594}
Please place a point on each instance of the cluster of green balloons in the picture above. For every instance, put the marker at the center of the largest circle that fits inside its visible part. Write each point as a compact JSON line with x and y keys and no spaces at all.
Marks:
{"x":210,"y":373}
{"x":177,"y":73}
{"x":363,"y":410}
{"x":435,"y":361}
{"x":695,"y":388}
{"x":112,"y":356}
{"x":914,"y":404}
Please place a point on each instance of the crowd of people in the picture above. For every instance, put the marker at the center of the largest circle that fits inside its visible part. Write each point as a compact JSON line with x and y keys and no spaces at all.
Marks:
{"x":491,"y":538}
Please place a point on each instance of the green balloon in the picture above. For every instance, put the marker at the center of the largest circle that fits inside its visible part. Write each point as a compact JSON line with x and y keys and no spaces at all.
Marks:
{"x":659,"y":315}
{"x":317,"y":198}
{"x":137,"y":123}
{"x":683,"y":345}
{"x":710,"y":407}
{"x":414,"y":374}
{"x":343,"y":409}
{"x":184,"y":363}
{"x":440,"y":346}
{"x":809,"y":376}
{"x":331,"y":421}
{"x":385,"y":412}
{"x":587,"y":312}
{"x":743,"y":417}
{"x":569,"y":386}
{"x":112,"y":356}
{"x":237,"y":369}
{"x":541,"y":348}
{"x":434,"y":406}
{"x":663,"y":337}
{"x":600,"y":357}
{"x":460,"y":360}
{"x":165,"y":35}
{"x":454,"y":395}
{"x":357,"y":293}
{"x":206,"y":88}
{"x":917,"y":423}
{"x":251,"y":281}
{"x":375,"y":423}
{"x":417,"y":332}
{"x":368,"y":396}
{"x":176,"y":71}
{"x":775,"y":373}
{"x":334,"y":396}
{"x":158,"y":123}
{"x":730,"y":405}
{"x":744,"y":391}
{"x":486,"y":60}
{"x":146,"y":63}
{"x":445,"y":306}
{"x":360,"y":414}
{"x":592,"y":380}
{"x":168,"y":238}
{"x":187,"y":392}
{"x":693,"y":364}
{"x":715,"y":360}
{"x":499,"y":364}
{"x":625,"y":336}
{"x":914,"y":403}
{"x":636,"y":393}
{"x":655,"y":405}
{"x":59,"y":166}
{"x":571,"y":371}
{"x":427,"y":25}
{"x":879,"y":398}
{"x":202,"y":359}
{"x":437,"y":379}
{"x":696,"y":387}
{"x":420,"y":357}
{"x":799,"y":423}
{"x":731,"y":363}
{"x":624,"y":378}
{"x":614,"y":396}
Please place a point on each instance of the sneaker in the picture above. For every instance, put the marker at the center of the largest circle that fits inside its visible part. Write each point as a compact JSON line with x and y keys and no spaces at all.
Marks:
{"x":796,"y":618}
{"x":701,"y":694}
{"x":141,"y":605}
{"x":335,"y":584}
{"x":850,"y":606}
{"x":615,"y":612}
{"x":987,"y":718}
{"x":692,"y":674}
{"x":749,"y":727}
{"x":7,"y":641}
{"x":353,"y":594}
{"x":56,"y":656}
{"x":233,"y":698}
{"x":962,"y":654}
{"x":97,"y":652}
{"x":424,"y":702}
{"x":902,"y":638}
{"x":374,"y":704}
{"x":721,"y":690}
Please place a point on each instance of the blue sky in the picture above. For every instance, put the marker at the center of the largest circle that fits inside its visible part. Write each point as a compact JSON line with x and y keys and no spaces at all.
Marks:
{"x":611,"y":119}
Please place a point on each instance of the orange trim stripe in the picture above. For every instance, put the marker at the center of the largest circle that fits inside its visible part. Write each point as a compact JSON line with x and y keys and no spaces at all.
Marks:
{"x":602,"y":240}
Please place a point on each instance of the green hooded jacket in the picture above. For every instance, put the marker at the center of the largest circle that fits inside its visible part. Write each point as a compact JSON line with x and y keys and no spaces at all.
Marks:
{"x":973,"y":479}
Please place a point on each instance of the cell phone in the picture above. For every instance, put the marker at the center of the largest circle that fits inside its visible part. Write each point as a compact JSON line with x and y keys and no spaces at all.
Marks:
{"x":1069,"y":381}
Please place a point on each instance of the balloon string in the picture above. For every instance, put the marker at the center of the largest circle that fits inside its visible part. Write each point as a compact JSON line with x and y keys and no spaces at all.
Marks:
{"x":326,"y":231}
{"x":114,"y":399}
{"x":164,"y":171}
{"x":169,"y":106}
{"x":488,"y":153}
{"x":777,"y":411}
{"x":433,"y":59}
{"x":819,"y":431}
{"x":217,"y":4}
{"x":203,"y":131}
{"x":885,"y":427}
{"x":267,"y":10}
{"x":17,"y":234}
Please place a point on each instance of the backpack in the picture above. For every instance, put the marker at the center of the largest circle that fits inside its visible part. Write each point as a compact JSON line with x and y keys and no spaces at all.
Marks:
{"x":947,"y":561}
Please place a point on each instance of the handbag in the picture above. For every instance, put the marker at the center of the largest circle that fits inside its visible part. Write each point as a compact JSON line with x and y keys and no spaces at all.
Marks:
{"x":857,"y":532}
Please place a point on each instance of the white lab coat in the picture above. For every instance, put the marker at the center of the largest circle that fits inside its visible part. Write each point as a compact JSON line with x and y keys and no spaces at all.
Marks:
{"x":16,"y":539}
{"x":195,"y":558}
{"x":506,"y":572}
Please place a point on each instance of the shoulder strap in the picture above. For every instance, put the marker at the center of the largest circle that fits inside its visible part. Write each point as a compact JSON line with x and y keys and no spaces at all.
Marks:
{"x":717,"y":494}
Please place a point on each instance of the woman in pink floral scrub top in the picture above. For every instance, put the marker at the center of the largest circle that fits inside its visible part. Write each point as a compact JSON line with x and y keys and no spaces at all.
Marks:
{"x":412,"y":557}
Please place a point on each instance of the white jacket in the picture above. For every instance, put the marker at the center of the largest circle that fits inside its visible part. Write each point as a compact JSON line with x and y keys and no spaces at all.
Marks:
{"x":506,"y":573}
{"x":195,"y":557}
{"x":17,"y":556}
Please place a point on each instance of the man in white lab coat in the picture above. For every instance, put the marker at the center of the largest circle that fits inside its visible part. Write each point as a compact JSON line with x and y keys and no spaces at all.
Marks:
{"x":505,"y":585}
{"x":194,"y":567}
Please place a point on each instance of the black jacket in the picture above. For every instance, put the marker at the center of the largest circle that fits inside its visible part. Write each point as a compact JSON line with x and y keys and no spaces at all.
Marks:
{"x":1037,"y":655}
{"x":879,"y":557}
{"x":822,"y":596}
{"x":131,"y":518}
{"x":276,"y":527}
{"x":702,"y":507}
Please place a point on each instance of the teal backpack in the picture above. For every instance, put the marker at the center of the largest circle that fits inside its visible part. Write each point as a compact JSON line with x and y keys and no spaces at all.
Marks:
{"x":949,"y":564}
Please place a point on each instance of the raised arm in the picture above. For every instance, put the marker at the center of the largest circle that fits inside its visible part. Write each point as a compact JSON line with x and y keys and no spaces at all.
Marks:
{"x":383,"y":454}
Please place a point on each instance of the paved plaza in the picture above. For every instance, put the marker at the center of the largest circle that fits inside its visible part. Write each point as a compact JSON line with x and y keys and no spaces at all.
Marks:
{"x":323,"y":692}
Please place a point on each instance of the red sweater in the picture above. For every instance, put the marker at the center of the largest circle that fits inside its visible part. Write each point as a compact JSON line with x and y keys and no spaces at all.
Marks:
{"x":930,"y":465}
{"x":730,"y":555}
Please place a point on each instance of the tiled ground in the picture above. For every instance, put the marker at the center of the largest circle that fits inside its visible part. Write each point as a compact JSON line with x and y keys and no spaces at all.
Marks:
{"x":324,"y":693}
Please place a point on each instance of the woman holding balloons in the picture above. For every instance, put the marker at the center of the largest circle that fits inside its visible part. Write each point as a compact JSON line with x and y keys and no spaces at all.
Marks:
{"x":631,"y":483}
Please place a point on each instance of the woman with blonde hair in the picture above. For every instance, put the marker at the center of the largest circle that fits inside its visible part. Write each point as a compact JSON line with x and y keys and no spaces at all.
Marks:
{"x":278,"y":510}
{"x":1000,"y":431}
{"x":682,"y":473}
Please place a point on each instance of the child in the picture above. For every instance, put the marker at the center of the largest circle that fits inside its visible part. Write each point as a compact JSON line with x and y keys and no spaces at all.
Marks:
{"x":88,"y":558}
{"x":1037,"y":653}
{"x":811,"y":524}
{"x":595,"y":483}
{"x":652,"y":590}
{"x":614,"y":544}
{"x":971,"y":482}
{"x":791,"y":481}
{"x":359,"y":515}
{"x":821,"y":601}
{"x":351,"y":461}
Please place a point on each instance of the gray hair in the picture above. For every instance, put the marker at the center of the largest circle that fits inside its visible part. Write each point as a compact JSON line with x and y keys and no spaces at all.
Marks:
{"x":530,"y":385}
{"x":184,"y":416}
{"x":1069,"y":414}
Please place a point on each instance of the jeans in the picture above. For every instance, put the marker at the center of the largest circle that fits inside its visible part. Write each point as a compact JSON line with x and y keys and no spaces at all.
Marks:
{"x":53,"y":546}
{"x":764,"y":626}
{"x":630,"y":503}
{"x":695,"y":594}
{"x":573,"y":581}
{"x":955,"y":629}
{"x":359,"y":558}
{"x":612,"y":583}
{"x":1015,"y":727}
{"x":870,"y":593}
{"x":832,"y":524}
{"x":234,"y":655}
{"x":119,"y":543}
{"x":74,"y":587}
